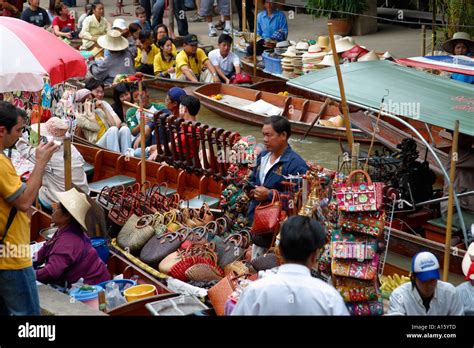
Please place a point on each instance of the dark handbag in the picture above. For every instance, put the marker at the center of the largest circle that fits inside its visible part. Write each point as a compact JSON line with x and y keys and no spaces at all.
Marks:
{"x":264,"y":262}
{"x":233,"y":248}
{"x":158,"y":247}
{"x":267,"y":216}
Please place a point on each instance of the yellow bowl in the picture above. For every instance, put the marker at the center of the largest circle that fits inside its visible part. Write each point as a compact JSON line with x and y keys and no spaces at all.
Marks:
{"x":139,"y":291}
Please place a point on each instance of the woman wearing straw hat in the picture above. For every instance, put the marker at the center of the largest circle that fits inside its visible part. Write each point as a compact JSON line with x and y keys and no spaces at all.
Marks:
{"x":460,"y":45}
{"x":466,"y":289}
{"x":53,"y":179}
{"x":69,"y":255}
{"x":120,"y":60}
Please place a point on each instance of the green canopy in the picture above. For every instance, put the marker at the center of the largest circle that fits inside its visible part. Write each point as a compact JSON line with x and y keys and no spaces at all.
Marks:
{"x":413,"y":94}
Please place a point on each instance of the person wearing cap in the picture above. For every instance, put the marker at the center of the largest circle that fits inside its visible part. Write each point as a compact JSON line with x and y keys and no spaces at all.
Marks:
{"x":164,"y":64}
{"x":271,"y":23}
{"x":18,"y":291}
{"x":53,"y":179}
{"x":425,"y":294}
{"x":460,"y":45}
{"x":466,"y":290}
{"x":94,"y":26}
{"x":292,"y":290}
{"x":98,"y":126}
{"x":69,"y":255}
{"x":226,"y":63}
{"x":120,"y":25}
{"x":120,"y":60}
{"x":192,"y":63}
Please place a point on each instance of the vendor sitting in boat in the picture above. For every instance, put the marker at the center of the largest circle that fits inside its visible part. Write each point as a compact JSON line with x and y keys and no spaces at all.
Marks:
{"x":192,"y":63}
{"x":94,"y":26}
{"x":164,"y":64}
{"x":226,"y":63}
{"x":98,"y":126}
{"x":271,"y":23}
{"x":118,"y":62}
{"x":53,"y":179}
{"x":146,"y":53}
{"x":460,"y":45}
{"x":69,"y":255}
{"x":279,"y":160}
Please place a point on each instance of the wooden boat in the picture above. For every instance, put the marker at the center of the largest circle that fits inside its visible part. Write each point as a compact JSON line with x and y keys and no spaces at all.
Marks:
{"x":300,"y":112}
{"x":117,"y":264}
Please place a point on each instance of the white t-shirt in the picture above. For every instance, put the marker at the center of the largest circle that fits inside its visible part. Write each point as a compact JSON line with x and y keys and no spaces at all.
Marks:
{"x":226,"y":64}
{"x":266,"y":165}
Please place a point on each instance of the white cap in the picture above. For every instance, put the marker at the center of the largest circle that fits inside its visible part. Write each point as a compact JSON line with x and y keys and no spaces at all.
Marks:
{"x":425,"y":266}
{"x":119,"y":23}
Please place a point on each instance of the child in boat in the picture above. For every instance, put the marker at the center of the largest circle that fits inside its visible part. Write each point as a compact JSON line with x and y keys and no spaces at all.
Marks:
{"x":226,"y":63}
{"x":192,"y":63}
{"x":165,"y":62}
{"x":141,"y":19}
{"x":146,"y":53}
{"x":63,"y":23}
{"x":69,"y":255}
{"x":94,"y":26}
{"x":53,"y":179}
{"x":98,"y":126}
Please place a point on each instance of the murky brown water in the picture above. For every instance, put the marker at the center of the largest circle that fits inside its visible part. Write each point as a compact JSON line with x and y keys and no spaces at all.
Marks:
{"x":324,"y":152}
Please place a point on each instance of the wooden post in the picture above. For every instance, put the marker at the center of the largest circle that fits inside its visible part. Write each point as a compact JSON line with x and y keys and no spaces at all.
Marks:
{"x":449,"y":222}
{"x":142,"y":133}
{"x":244,"y":15}
{"x":423,"y":40}
{"x":254,"y":39}
{"x":67,"y":164}
{"x":347,"y":121}
{"x":433,"y":28}
{"x":355,"y":150}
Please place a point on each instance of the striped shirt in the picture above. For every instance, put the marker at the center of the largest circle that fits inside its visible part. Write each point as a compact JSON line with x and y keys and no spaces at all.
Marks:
{"x":466,"y":294}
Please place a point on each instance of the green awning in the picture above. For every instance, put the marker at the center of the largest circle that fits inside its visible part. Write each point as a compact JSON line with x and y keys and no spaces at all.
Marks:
{"x":413,"y":94}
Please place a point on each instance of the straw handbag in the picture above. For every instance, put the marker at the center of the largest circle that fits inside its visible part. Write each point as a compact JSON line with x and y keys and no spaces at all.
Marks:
{"x":136,"y":233}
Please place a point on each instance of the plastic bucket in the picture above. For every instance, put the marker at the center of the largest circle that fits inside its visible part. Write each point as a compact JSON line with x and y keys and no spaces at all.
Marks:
{"x":120,"y":282}
{"x":100,"y":244}
{"x":88,"y":297}
{"x":139,"y":291}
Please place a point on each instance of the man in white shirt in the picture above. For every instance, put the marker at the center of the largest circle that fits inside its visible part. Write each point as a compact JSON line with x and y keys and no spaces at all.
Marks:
{"x":225,"y":62}
{"x":292,"y":290}
{"x":425,"y":294}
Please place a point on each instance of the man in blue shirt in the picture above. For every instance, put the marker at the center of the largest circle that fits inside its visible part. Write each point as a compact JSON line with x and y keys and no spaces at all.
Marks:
{"x":271,"y":23}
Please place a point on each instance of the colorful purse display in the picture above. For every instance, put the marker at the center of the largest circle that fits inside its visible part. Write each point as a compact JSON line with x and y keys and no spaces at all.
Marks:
{"x":365,"y":308}
{"x":355,"y":269}
{"x":359,"y":197}
{"x":354,"y":290}
{"x":370,"y":223}
{"x":348,"y":246}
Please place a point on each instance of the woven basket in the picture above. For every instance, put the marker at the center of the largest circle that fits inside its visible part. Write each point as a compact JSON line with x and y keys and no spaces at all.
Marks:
{"x":136,"y":232}
{"x":202,"y":272}
{"x":238,"y":267}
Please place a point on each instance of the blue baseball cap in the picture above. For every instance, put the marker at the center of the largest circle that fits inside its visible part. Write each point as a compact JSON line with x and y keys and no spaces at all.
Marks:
{"x":425,"y":266}
{"x":175,"y":93}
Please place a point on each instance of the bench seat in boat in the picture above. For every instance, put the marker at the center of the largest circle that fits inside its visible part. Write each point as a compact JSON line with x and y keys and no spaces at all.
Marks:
{"x":113,"y":181}
{"x":199,"y":200}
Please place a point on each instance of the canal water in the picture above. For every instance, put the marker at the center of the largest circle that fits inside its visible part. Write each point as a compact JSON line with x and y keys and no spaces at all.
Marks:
{"x":324,"y":152}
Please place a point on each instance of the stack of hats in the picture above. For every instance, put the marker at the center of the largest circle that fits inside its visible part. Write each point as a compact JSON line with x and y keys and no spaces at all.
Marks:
{"x":281,"y":47}
{"x":291,"y":63}
{"x":369,"y":57}
{"x":311,"y":58}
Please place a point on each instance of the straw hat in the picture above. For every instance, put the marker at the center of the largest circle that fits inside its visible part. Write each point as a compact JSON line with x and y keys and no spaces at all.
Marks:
{"x":350,"y":39}
{"x":323,"y":42}
{"x":369,"y":57}
{"x":328,"y":60}
{"x":281,"y":44}
{"x":343,"y":45}
{"x":302,"y":46}
{"x":467,"y":262}
{"x":291,"y":52}
{"x":54,"y":127}
{"x":448,"y":46}
{"x":76,"y":204}
{"x":113,"y":41}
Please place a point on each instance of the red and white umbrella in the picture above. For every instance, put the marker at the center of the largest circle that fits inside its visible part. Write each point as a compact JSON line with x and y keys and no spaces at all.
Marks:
{"x":28,"y":53}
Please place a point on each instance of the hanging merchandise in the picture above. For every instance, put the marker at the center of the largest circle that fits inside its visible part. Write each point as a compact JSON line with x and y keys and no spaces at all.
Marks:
{"x":349,"y":246}
{"x":46,"y":96}
{"x":369,"y":223}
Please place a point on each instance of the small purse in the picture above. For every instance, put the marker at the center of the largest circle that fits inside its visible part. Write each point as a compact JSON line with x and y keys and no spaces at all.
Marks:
{"x":348,"y":246}
{"x":354,"y":290}
{"x":267,"y":216}
{"x":359,"y":197}
{"x":370,"y":223}
{"x":136,"y":233}
{"x":360,"y":270}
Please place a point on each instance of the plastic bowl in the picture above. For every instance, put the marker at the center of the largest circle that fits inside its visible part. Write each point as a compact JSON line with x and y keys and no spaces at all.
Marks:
{"x":120,"y":282}
{"x":139,"y":292}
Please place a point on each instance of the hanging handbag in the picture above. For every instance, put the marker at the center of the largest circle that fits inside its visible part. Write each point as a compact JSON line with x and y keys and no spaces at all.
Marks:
{"x":159,"y":247}
{"x":348,"y":246}
{"x":360,"y":270}
{"x":136,"y":233}
{"x":267,"y":216}
{"x":355,"y":290}
{"x":369,"y":223}
{"x":359,"y":197}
